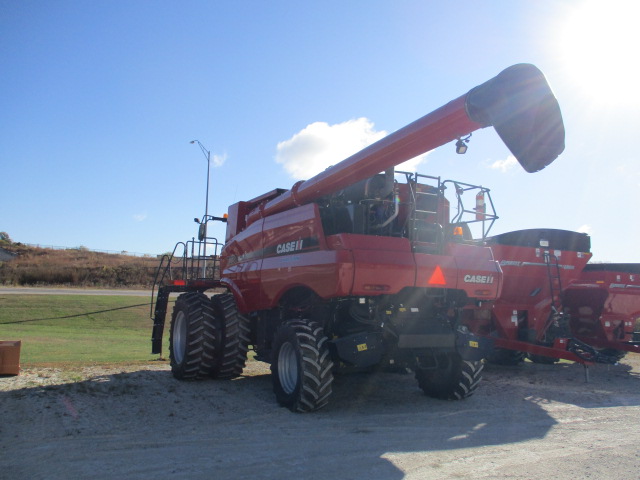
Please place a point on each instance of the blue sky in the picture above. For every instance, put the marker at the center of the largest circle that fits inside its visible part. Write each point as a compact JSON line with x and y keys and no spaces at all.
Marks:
{"x":99,"y":101}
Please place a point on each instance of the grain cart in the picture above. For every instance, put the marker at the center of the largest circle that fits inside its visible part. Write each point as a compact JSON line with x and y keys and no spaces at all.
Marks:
{"x":354,"y":267}
{"x":604,"y":306}
{"x":554,"y":305}
{"x":530,"y":315}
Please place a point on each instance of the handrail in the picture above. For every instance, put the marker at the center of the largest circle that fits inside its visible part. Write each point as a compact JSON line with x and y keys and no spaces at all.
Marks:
{"x":487,"y":216}
{"x":192,"y":263}
{"x":162,"y":272}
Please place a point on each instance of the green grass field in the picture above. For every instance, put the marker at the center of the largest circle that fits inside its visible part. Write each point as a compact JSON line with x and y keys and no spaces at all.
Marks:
{"x":78,"y":329}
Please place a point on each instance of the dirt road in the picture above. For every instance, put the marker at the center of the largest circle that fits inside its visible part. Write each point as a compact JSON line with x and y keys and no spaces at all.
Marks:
{"x":527,"y":422}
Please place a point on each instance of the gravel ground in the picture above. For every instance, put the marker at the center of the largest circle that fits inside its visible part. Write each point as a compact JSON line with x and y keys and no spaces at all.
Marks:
{"x":137,"y":422}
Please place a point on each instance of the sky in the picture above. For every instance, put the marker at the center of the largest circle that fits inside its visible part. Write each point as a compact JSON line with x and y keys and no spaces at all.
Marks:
{"x":99,"y":101}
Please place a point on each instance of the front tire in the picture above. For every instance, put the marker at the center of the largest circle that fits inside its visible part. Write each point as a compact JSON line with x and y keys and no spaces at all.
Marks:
{"x":452,"y":379}
{"x":301,"y":368}
{"x":192,"y":338}
{"x":233,"y":330}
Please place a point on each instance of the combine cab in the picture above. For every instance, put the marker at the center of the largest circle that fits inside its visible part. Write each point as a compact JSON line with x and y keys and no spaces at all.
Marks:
{"x":359,"y":266}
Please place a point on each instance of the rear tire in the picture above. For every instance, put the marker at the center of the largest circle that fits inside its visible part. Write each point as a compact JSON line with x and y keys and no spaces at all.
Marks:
{"x":192,"y":337}
{"x":453,"y":379}
{"x":301,"y":368}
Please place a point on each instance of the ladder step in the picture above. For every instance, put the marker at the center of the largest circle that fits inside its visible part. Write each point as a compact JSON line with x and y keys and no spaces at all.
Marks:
{"x":425,"y":211}
{"x":555,"y":281}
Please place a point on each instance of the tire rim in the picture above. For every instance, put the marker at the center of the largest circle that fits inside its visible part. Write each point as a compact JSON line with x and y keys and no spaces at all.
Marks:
{"x":288,"y":368}
{"x":179,"y":344}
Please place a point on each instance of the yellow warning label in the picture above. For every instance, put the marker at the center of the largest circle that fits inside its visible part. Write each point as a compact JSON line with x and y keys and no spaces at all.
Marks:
{"x":362,"y":347}
{"x":473,"y":343}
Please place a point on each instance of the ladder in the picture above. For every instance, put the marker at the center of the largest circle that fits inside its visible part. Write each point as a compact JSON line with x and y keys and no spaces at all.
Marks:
{"x":555,"y":282}
{"x":424,"y":225}
{"x":558,"y":322}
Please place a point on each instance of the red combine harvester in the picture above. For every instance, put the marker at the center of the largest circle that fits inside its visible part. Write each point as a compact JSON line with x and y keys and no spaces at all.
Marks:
{"x":354,"y":267}
{"x":604,"y":307}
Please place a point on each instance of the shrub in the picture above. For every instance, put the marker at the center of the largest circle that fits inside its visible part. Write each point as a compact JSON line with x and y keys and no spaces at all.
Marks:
{"x":77,"y":267}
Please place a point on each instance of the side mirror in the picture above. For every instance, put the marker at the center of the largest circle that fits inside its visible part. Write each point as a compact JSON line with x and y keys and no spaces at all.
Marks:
{"x":202,"y":231}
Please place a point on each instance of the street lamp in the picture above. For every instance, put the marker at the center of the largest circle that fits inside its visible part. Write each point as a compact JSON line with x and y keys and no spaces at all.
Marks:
{"x":207,"y":154}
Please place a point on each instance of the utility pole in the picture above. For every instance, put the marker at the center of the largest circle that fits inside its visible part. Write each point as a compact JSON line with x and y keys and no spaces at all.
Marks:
{"x":207,"y":155}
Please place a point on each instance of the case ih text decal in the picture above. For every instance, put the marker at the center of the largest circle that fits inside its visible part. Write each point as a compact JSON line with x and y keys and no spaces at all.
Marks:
{"x":289,"y":247}
{"x":293,"y":246}
{"x":478,"y":279}
{"x":286,"y":248}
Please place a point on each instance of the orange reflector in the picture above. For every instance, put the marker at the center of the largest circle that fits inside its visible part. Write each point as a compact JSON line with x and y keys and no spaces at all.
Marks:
{"x":437,"y":277}
{"x":179,"y":282}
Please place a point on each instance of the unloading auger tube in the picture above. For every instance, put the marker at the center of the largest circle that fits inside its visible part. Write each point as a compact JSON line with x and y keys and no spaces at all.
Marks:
{"x":518,"y":103}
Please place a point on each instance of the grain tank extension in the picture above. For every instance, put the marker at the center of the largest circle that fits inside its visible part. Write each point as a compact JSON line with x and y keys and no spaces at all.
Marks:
{"x":358,"y":266}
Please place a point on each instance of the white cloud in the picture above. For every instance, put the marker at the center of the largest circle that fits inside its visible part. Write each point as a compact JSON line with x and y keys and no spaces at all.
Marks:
{"x":588,"y":229}
{"x":140,"y":217}
{"x":320,"y":145}
{"x":412,"y":165}
{"x":218,"y":160}
{"x":504,"y":165}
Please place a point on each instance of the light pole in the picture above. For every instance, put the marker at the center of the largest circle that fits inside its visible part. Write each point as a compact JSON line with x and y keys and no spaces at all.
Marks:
{"x":207,"y":154}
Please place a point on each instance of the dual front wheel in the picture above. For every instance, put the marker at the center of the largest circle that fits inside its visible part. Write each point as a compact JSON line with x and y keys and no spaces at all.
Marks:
{"x":208,"y":338}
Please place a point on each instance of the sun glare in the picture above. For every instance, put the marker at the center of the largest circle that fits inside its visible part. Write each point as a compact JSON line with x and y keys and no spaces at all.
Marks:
{"x":598,"y":46}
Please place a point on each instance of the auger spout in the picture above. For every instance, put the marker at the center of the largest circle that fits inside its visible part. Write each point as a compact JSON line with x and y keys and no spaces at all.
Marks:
{"x":518,"y":103}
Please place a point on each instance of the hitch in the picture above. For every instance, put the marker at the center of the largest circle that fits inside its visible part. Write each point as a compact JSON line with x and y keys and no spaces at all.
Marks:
{"x":589,"y":354}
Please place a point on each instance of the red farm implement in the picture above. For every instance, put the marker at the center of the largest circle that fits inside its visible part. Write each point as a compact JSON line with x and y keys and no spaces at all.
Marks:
{"x":359,"y":265}
{"x":604,"y":307}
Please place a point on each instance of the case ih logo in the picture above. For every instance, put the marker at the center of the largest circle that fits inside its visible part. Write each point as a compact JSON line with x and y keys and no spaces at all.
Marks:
{"x":289,"y":247}
{"x":478,"y":278}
